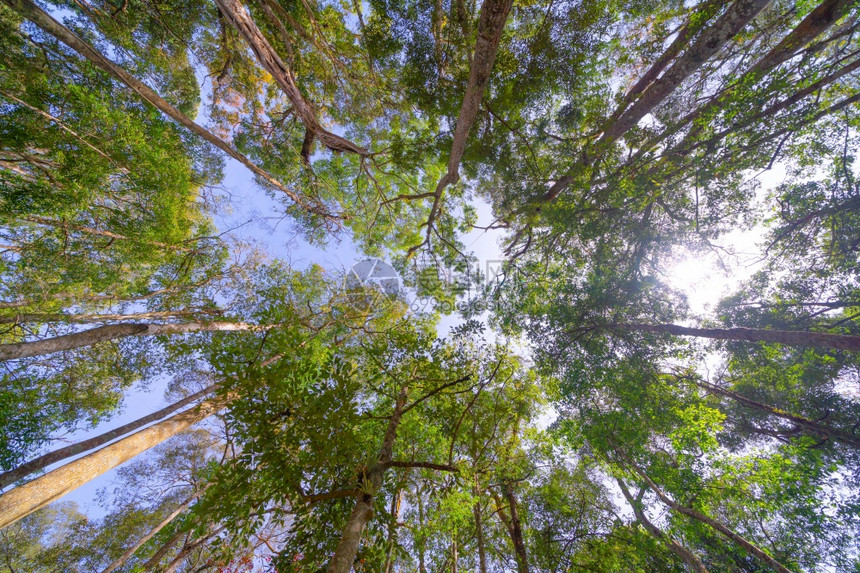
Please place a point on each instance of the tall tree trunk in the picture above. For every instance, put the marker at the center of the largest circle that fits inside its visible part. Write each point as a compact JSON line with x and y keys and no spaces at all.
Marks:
{"x":27,"y":498}
{"x":344,"y":555}
{"x":706,"y":45}
{"x":702,"y":518}
{"x":153,"y":561}
{"x":688,"y":556}
{"x":86,"y":445}
{"x":91,"y":318}
{"x":809,"y":425}
{"x":422,"y":567}
{"x":742,"y":334}
{"x":516,"y":530}
{"x":479,"y":538}
{"x":115,"y":332}
{"x":189,"y":547}
{"x":46,"y":22}
{"x":455,"y":556}
{"x":140,"y":542}
{"x":239,"y":18}
{"x":491,"y":23}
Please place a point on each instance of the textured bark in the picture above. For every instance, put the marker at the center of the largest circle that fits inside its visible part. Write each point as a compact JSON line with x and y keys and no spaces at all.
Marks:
{"x":811,"y":426}
{"x":494,"y":14}
{"x":516,"y":530}
{"x":234,"y":11}
{"x":21,"y":318}
{"x":86,"y":445}
{"x":786,"y":337}
{"x":738,"y":15}
{"x":813,"y":25}
{"x":27,"y":498}
{"x":347,"y":548}
{"x":32,"y":12}
{"x":709,"y":42}
{"x":702,"y":518}
{"x":115,"y":332}
{"x":140,"y":542}
{"x":689,"y":558}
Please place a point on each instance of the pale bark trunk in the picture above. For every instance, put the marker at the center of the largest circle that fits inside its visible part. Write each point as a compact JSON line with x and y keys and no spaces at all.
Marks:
{"x":516,"y":530}
{"x":140,"y":542}
{"x":709,"y":42}
{"x":741,"y":334}
{"x":234,"y":11}
{"x":491,"y":23}
{"x":739,"y":14}
{"x":27,"y":498}
{"x":702,"y":518}
{"x":813,"y":25}
{"x":115,"y":332}
{"x":162,"y":551}
{"x":809,"y":425}
{"x":344,"y":555}
{"x":86,"y":445}
{"x":46,"y":22}
{"x":21,"y":318}
{"x":688,"y":556}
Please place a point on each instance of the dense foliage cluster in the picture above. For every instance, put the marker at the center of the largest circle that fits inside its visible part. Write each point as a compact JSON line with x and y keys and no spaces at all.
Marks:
{"x":591,"y":421}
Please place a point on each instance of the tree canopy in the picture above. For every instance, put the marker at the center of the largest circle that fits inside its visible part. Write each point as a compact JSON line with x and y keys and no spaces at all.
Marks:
{"x":569,"y":409}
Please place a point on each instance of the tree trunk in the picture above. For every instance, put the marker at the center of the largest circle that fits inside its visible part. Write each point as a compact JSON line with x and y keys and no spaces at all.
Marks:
{"x":239,"y":18}
{"x":786,"y":337}
{"x":805,"y":423}
{"x":32,"y":12}
{"x":86,"y":445}
{"x":494,"y":14}
{"x":27,"y":498}
{"x":702,"y":518}
{"x":709,"y":42}
{"x":691,"y":559}
{"x":115,"y":332}
{"x":91,"y":318}
{"x":140,"y":542}
{"x":516,"y":530}
{"x":46,"y":222}
{"x":479,"y":536}
{"x":344,"y":555}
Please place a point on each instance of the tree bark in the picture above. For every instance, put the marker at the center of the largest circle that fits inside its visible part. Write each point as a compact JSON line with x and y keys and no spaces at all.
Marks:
{"x":347,"y":548}
{"x":702,"y":518}
{"x":46,"y":22}
{"x":479,"y":536}
{"x":21,"y":318}
{"x":234,"y":11}
{"x":140,"y":542}
{"x":115,"y":332}
{"x":689,"y":557}
{"x":86,"y":445}
{"x":709,"y":42}
{"x":494,"y":14}
{"x":27,"y":498}
{"x":786,"y":337}
{"x":805,"y":423}
{"x":516,"y":530}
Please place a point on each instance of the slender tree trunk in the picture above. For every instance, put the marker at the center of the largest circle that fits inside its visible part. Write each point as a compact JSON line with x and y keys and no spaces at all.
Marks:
{"x":491,"y":23}
{"x":344,"y":555}
{"x":689,"y":557}
{"x":239,"y":18}
{"x":46,"y":222}
{"x":140,"y":542}
{"x":706,"y":45}
{"x":46,"y":22}
{"x":516,"y":530}
{"x":153,"y":561}
{"x":702,"y":518}
{"x":115,"y":332}
{"x":805,"y":423}
{"x":455,"y":556}
{"x":27,"y":498}
{"x":21,"y":318}
{"x":189,"y":547}
{"x":422,"y":567}
{"x":392,"y":531}
{"x":741,"y":334}
{"x":479,"y":537}
{"x":86,"y":445}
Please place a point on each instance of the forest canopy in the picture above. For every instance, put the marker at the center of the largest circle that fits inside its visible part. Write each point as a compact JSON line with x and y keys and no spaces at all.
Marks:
{"x":571,"y":409}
